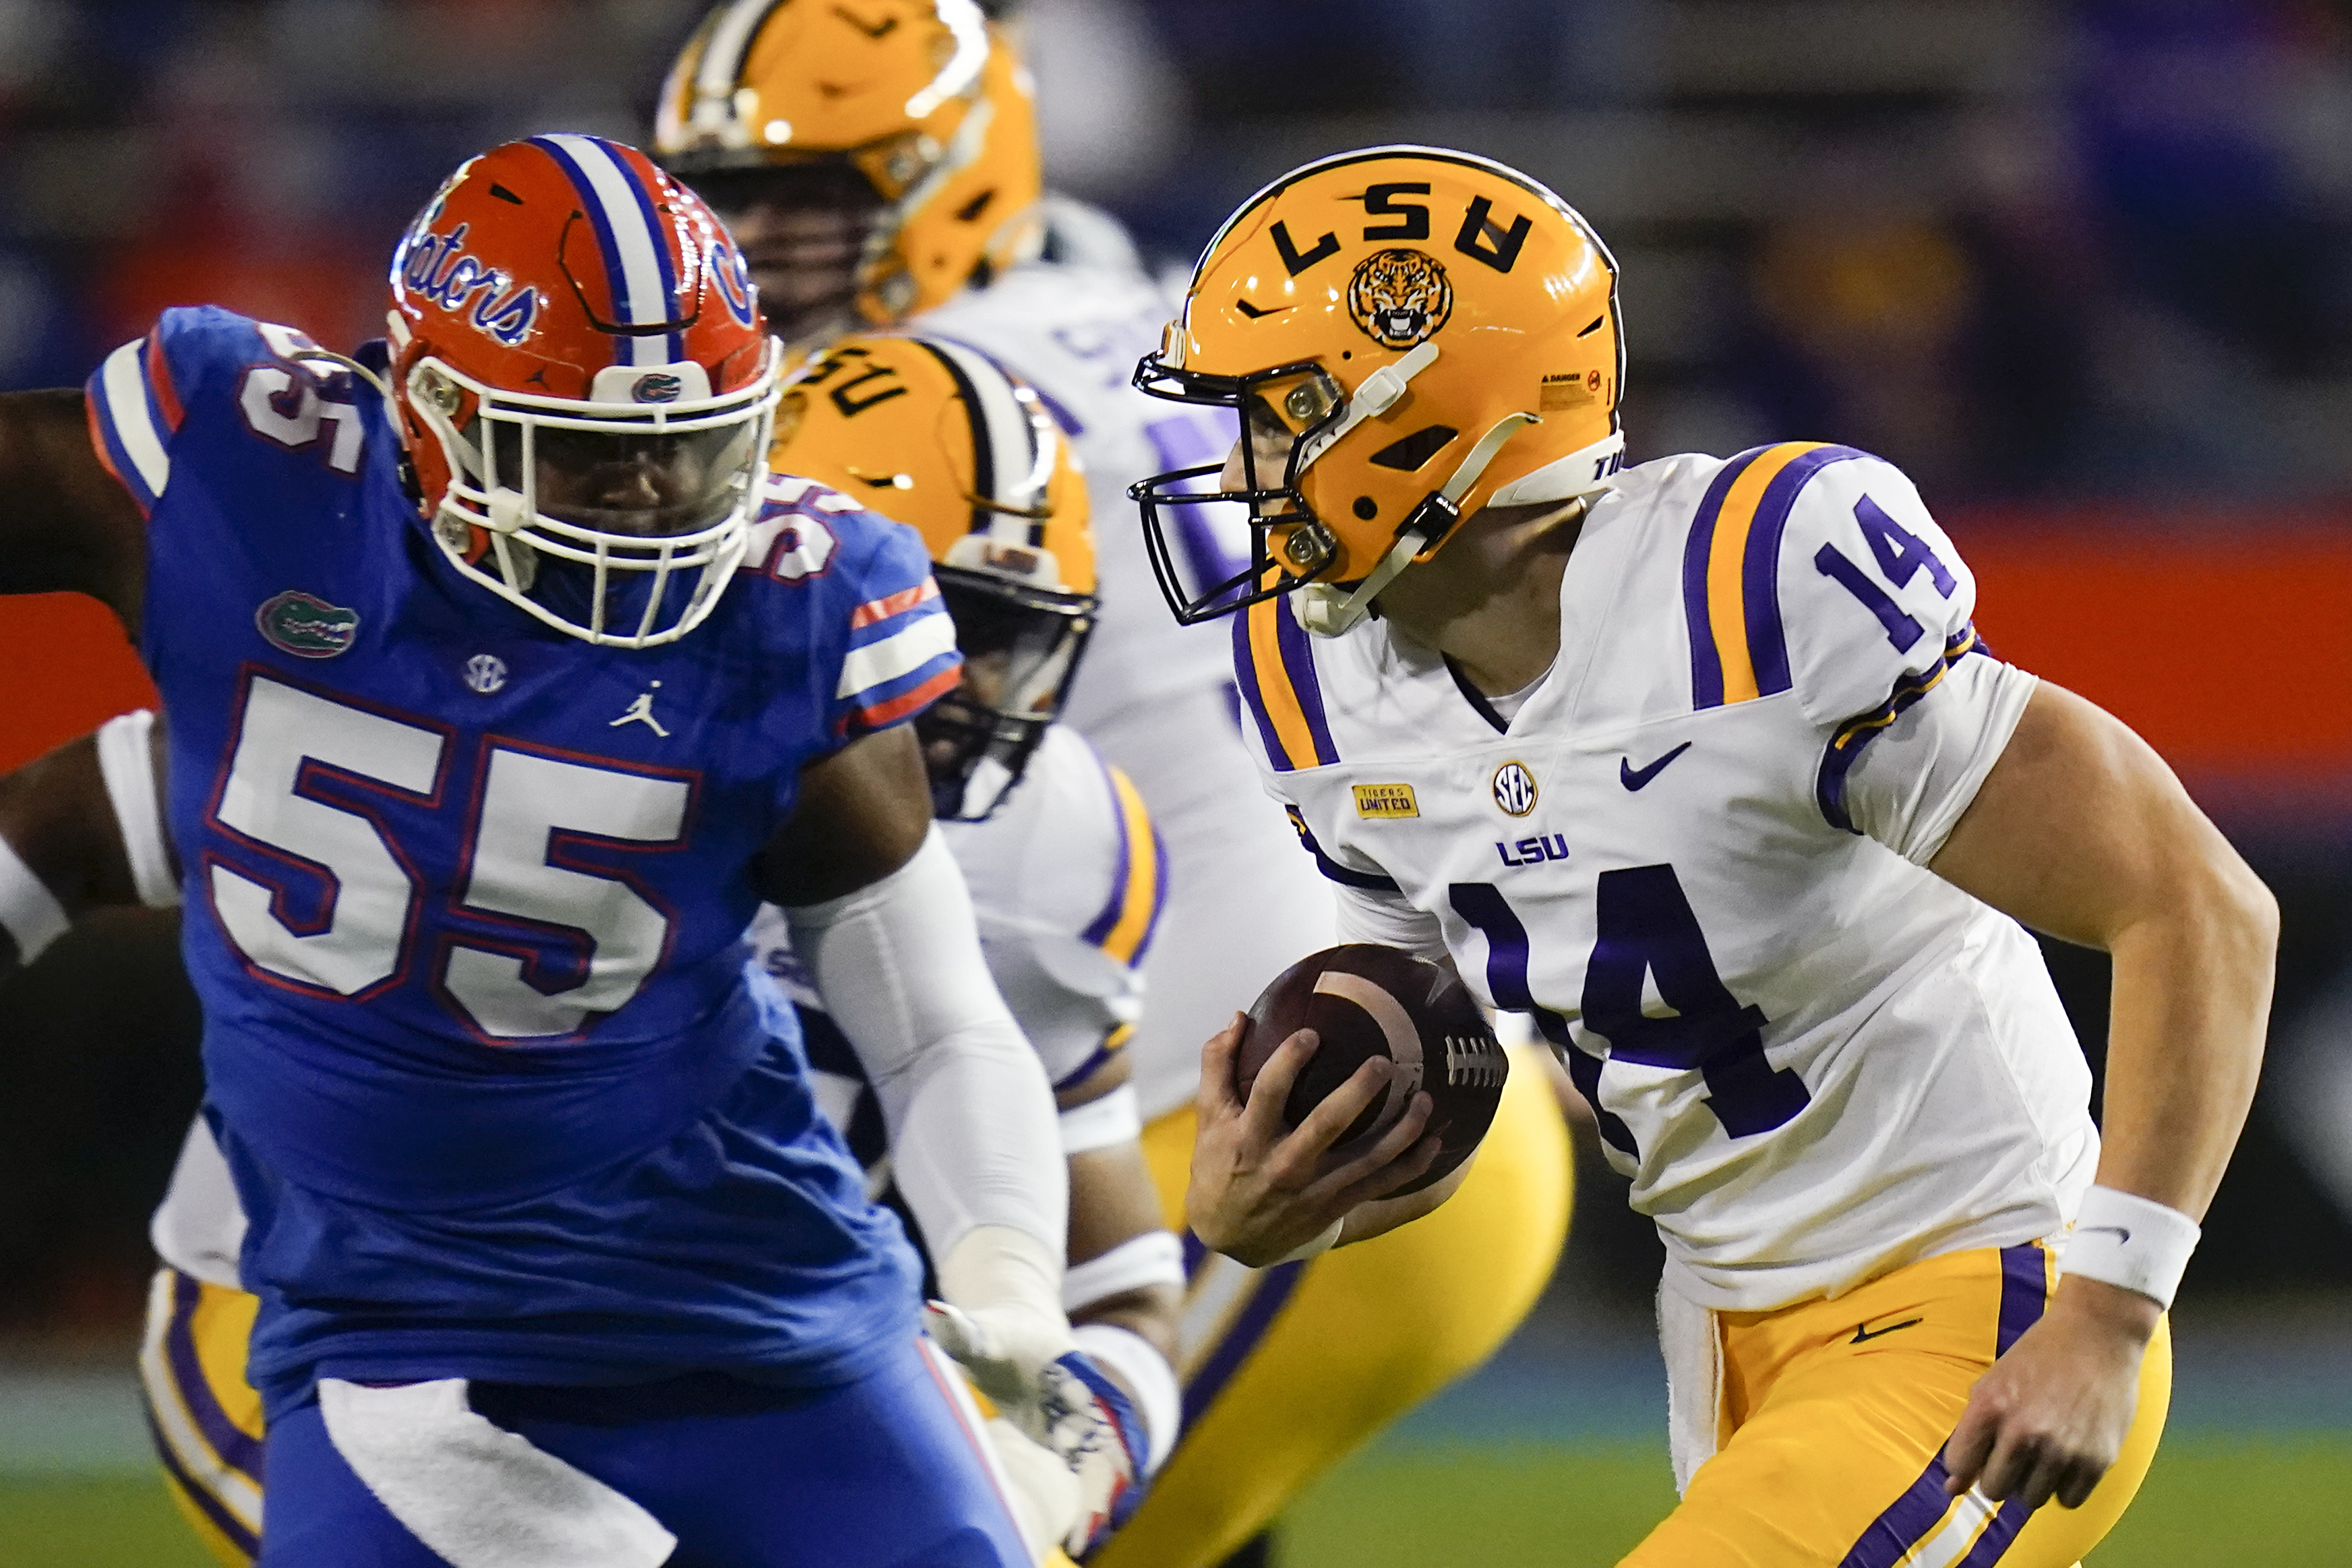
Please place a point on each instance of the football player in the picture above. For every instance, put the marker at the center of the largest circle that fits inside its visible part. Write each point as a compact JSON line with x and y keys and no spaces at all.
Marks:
{"x":1712,"y":775}
{"x":881,"y":162}
{"x":1065,"y":874}
{"x":503,"y":684}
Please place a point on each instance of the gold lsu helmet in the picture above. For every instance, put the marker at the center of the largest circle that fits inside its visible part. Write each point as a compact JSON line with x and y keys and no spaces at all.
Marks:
{"x":921,"y":98}
{"x":1418,"y":333}
{"x":940,"y":437}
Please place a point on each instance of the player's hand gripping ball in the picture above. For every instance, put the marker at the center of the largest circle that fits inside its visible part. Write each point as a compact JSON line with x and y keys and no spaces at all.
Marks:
{"x":1362,"y":1001}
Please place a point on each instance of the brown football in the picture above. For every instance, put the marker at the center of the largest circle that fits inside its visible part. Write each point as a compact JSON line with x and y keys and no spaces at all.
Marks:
{"x":1364,"y":1000}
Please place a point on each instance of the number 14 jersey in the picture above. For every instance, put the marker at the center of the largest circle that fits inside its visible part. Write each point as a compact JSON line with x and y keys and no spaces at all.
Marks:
{"x":1695,"y":855}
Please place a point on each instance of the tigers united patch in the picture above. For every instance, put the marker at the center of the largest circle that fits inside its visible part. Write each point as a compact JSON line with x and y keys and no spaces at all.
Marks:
{"x":1400,"y":298}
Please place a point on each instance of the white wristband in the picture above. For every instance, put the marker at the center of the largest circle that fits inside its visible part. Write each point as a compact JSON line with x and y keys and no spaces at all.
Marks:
{"x":1155,"y":1257}
{"x":128,"y":769}
{"x":2131,"y":1241}
{"x":29,"y":913}
{"x":1317,"y":1247}
{"x":1147,"y":1375}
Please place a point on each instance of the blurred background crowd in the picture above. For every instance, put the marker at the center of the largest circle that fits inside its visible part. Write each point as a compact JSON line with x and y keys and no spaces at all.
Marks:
{"x":2083,"y":268}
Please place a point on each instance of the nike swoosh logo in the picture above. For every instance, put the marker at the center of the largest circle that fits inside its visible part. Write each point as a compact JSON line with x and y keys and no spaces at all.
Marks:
{"x":2121,"y":1233}
{"x":1862,"y":1338}
{"x":1253,"y":313}
{"x":1632,"y":777}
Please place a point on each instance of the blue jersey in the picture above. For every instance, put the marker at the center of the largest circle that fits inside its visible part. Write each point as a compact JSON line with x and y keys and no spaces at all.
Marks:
{"x":466,"y":898}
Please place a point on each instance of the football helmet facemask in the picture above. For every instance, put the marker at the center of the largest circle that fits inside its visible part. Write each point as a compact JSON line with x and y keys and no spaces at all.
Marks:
{"x":1407,"y":334}
{"x":941,"y":438}
{"x":910,"y":120}
{"x":580,"y":382}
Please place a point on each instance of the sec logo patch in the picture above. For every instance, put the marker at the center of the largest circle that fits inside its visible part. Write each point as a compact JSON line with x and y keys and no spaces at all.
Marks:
{"x":1515,"y":789}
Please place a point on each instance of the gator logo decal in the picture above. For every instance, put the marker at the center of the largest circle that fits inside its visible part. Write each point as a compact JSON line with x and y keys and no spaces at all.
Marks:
{"x":1400,"y":298}
{"x":306,"y":626}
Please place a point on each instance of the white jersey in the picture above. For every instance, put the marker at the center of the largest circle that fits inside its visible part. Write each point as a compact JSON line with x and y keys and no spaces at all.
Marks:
{"x":1696,"y":854}
{"x":1067,"y":880}
{"x":1155,"y":697}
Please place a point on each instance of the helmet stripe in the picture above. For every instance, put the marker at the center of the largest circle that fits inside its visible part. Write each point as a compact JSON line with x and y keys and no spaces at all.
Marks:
{"x":636,"y":261}
{"x":721,"y":68}
{"x":1008,"y":470}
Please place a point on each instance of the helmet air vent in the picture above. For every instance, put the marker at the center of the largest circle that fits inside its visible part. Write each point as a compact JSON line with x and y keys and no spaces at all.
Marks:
{"x":1409,"y":455}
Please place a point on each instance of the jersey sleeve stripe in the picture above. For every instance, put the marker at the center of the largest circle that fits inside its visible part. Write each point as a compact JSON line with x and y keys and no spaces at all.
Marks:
{"x":1719,"y":564}
{"x":877,"y":610}
{"x":1124,"y":927}
{"x":1768,"y":645}
{"x":1706,"y":663}
{"x":124,"y":424}
{"x":913,"y":699}
{"x":902,"y":652}
{"x":1845,"y":747}
{"x":1283,"y":688}
{"x":1246,"y":681}
{"x":159,"y":383}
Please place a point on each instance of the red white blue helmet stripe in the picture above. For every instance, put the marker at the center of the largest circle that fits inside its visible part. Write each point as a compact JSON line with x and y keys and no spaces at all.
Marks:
{"x":620,"y":207}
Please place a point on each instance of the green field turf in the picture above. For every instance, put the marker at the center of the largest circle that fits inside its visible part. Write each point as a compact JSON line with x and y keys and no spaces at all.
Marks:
{"x":2280,"y":1502}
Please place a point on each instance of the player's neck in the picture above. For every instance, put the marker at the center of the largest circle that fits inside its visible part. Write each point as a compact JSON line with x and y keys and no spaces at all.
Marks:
{"x":1490,"y":600}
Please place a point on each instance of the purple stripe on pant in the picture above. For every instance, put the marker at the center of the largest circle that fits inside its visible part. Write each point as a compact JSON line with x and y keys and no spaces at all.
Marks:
{"x":1249,"y":1326}
{"x":220,"y":1518}
{"x":237,"y":1448}
{"x":1922,"y":1506}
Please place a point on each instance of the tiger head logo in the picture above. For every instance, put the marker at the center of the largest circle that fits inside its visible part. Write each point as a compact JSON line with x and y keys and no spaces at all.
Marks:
{"x":1400,"y":298}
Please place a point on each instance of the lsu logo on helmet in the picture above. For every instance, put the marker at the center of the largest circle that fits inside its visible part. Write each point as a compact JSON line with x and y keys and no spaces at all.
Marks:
{"x":1400,"y":298}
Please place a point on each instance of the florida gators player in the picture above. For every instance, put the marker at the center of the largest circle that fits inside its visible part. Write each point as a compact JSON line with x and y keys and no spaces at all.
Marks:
{"x":1713,"y":777}
{"x":1063,"y":870}
{"x":800,"y":124}
{"x":497,"y":705}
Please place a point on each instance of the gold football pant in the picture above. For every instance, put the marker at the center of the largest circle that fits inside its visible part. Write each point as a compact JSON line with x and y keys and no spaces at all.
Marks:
{"x":1832,"y":1419}
{"x":1288,"y":1369}
{"x":204,"y":1417}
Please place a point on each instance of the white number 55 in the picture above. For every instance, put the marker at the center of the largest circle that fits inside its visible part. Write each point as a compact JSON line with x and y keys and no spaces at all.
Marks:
{"x":363,"y":939}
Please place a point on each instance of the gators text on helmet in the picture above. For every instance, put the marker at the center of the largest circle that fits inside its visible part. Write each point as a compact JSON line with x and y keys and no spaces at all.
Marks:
{"x":940,"y":436}
{"x":1409,"y":334}
{"x":583,"y":385}
{"x":920,"y":97}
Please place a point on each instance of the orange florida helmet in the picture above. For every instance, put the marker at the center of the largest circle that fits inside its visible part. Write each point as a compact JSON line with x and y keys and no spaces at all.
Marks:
{"x":940,"y":437}
{"x":920,"y":98}
{"x":1407,"y":334}
{"x":581,"y":379}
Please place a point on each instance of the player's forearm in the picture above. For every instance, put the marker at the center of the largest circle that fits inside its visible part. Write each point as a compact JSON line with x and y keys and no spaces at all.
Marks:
{"x":2191,"y":999}
{"x":970,"y":1113}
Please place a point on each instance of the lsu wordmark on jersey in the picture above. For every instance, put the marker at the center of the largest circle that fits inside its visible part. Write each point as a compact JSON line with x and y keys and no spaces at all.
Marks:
{"x":1695,"y":852}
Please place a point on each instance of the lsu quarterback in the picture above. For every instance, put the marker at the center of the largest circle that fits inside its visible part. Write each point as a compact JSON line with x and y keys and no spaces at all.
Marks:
{"x":879,"y":163}
{"x":502,"y":685}
{"x":1702,"y":765}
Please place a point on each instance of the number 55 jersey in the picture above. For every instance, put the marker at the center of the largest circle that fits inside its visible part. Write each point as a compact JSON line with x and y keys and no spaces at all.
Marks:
{"x":464,"y":902}
{"x":1696,"y":854}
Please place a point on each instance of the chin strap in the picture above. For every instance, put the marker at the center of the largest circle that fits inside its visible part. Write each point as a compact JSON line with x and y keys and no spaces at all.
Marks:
{"x":1328,"y":610}
{"x":1375,"y":396}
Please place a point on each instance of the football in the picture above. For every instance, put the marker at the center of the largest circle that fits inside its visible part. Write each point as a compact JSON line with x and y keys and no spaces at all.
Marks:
{"x":1364,"y":1000}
